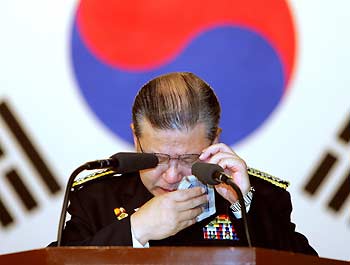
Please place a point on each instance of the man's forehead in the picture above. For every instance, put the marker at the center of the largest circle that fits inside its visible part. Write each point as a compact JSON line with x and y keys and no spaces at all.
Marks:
{"x":147,"y":130}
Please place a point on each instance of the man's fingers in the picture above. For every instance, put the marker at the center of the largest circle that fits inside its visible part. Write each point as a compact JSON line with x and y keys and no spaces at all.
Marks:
{"x":184,"y":195}
{"x":229,"y":162}
{"x":214,"y":149}
{"x":215,"y":159}
{"x":192,"y":203}
{"x":190,"y":214}
{"x":184,"y":224}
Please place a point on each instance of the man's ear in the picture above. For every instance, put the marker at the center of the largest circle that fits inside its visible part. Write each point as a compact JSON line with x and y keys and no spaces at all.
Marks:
{"x":217,"y":137}
{"x":134,"y":135}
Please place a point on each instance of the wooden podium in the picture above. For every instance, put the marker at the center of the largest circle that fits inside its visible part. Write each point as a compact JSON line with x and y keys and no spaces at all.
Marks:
{"x":161,"y":255}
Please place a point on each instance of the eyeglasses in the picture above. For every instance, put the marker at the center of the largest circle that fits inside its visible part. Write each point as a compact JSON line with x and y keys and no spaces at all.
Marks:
{"x":163,"y":159}
{"x":185,"y":159}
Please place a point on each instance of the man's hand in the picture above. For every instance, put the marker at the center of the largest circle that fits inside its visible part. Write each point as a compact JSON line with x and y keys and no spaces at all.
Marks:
{"x":167,"y":214}
{"x":233,"y":165}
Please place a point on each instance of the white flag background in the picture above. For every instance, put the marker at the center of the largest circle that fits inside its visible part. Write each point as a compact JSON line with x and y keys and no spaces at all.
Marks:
{"x":38,"y":92}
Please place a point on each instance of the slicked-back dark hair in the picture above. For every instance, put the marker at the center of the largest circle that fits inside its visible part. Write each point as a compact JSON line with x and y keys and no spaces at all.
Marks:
{"x":177,"y":101}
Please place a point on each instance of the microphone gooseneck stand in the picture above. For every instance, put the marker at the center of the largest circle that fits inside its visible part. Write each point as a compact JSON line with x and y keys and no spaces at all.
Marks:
{"x":65,"y":201}
{"x":243,"y":209}
{"x":124,"y":162}
{"x":213,"y":174}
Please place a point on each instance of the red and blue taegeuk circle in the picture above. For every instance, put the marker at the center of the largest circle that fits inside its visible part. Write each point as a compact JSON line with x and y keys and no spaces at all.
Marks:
{"x":244,"y":49}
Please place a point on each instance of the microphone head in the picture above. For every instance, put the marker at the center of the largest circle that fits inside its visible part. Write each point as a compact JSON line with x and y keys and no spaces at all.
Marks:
{"x":127,"y":162}
{"x":206,"y":172}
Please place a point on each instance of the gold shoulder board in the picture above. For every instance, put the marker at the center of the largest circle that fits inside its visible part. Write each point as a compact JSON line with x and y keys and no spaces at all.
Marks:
{"x":90,"y":177}
{"x":269,"y":178}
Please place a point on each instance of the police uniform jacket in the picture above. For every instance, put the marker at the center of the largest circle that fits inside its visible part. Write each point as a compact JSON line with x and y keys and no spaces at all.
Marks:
{"x":94,"y":222}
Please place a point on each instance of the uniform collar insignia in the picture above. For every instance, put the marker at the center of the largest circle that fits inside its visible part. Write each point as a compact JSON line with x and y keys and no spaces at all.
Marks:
{"x":120,"y":213}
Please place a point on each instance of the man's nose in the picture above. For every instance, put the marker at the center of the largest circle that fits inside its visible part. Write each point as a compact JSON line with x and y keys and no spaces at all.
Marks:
{"x":172,"y":175}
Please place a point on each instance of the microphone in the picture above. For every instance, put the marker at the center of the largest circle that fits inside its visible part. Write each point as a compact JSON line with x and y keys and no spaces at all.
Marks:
{"x":125,"y":162}
{"x":120,"y":162}
{"x":213,"y":174}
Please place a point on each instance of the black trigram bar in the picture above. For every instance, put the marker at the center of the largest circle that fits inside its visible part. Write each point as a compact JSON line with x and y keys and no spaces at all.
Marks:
{"x":45,"y":174}
{"x":344,"y":134}
{"x":5,"y":216}
{"x":320,"y":173}
{"x":21,"y":190}
{"x":341,"y":194}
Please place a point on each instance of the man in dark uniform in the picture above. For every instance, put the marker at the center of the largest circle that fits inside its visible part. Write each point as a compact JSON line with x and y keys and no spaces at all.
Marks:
{"x":176,"y":117}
